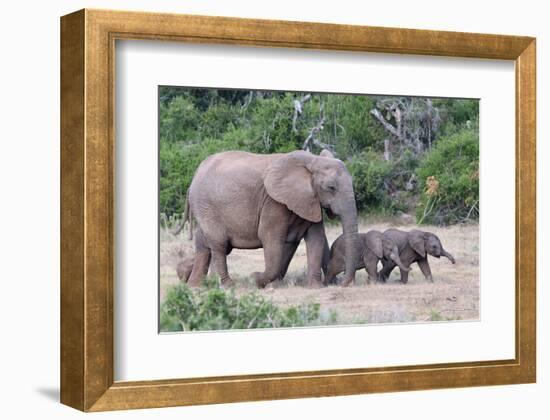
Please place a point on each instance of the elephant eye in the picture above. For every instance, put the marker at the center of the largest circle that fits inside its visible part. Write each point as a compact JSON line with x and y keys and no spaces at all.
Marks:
{"x":330,"y":188}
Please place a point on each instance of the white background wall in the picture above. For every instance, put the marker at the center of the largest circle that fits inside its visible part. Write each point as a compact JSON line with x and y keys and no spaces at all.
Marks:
{"x":29,"y":215}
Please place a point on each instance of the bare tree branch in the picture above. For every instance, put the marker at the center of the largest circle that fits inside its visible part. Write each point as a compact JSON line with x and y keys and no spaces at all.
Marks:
{"x":387,"y":153}
{"x":313,"y":134}
{"x":383,"y":121}
{"x":312,"y":137}
{"x":298,"y":108}
{"x":411,"y":121}
{"x":247,"y":101}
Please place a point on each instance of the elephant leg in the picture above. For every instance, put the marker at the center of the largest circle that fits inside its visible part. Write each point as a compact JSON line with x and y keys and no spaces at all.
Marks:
{"x":219,"y":263}
{"x":187,"y":272}
{"x":425,"y":268}
{"x":200,"y":267}
{"x":370,"y":262}
{"x":387,"y":268}
{"x":272,"y":232}
{"x":288,"y":252}
{"x":335,"y":266}
{"x":273,"y":256}
{"x":202,"y":259}
{"x":184,"y":269}
{"x":315,"y":248}
{"x":404,"y":276}
{"x":326,"y":256}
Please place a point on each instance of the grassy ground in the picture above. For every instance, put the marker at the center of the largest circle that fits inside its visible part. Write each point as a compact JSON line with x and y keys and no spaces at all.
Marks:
{"x":454,"y":295}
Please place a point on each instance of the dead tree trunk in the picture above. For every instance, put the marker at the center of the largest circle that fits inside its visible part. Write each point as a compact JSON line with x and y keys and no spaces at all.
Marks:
{"x":387,"y":153}
{"x":411,"y":122}
{"x":298,"y":109}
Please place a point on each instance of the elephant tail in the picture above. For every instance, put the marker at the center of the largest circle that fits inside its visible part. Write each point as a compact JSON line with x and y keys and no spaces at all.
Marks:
{"x":187,"y":217}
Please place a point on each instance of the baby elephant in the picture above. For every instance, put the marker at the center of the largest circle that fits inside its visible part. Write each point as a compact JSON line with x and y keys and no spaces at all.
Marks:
{"x":414,"y":246}
{"x":184,"y":267}
{"x":370,"y":247}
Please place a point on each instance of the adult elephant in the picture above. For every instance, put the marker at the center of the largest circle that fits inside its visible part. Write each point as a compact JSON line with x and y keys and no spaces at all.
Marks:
{"x":249,"y":201}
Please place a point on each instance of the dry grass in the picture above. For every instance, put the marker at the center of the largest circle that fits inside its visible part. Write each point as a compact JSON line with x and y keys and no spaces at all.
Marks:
{"x":454,"y":294}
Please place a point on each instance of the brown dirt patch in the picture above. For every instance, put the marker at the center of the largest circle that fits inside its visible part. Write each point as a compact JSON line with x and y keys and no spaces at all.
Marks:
{"x":454,"y":295}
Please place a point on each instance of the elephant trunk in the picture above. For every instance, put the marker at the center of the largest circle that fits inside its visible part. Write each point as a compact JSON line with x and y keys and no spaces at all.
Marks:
{"x":395,"y":258}
{"x":449,"y":256}
{"x":349,"y":224}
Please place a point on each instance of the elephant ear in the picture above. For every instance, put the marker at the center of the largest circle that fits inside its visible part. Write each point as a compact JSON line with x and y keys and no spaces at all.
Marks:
{"x":288,"y":181}
{"x":417,"y":242}
{"x":374,"y":243}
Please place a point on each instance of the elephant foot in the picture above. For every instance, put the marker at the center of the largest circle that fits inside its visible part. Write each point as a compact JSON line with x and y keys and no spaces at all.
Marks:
{"x":314,"y":284}
{"x":228,"y":282}
{"x":260,"y":280}
{"x":327,"y":281}
{"x":194,"y":283}
{"x":261,"y":284}
{"x":276,"y":284}
{"x":346,"y":282}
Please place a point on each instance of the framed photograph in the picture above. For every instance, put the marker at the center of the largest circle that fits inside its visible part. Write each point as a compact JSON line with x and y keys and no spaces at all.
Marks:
{"x":255,"y":209}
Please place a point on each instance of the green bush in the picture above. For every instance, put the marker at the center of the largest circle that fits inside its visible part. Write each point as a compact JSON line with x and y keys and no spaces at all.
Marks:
{"x":196,"y":122}
{"x":350,"y":124}
{"x":270,"y":120}
{"x":218,"y":119}
{"x":179,"y":120}
{"x":214,"y":308}
{"x":456,"y":114}
{"x":372,"y":178}
{"x":449,"y":179}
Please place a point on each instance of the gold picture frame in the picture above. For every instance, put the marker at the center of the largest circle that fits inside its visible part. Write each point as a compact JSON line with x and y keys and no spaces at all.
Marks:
{"x":87,"y":197}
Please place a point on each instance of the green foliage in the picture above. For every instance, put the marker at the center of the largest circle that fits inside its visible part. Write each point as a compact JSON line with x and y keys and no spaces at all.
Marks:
{"x":218,"y":119}
{"x":270,"y":122}
{"x":350,"y":125}
{"x":214,"y":308}
{"x":370,"y":175}
{"x":436,"y":316}
{"x":454,"y":166}
{"x":179,"y":120}
{"x":380,"y":186}
{"x":196,"y":122}
{"x":457,"y":113}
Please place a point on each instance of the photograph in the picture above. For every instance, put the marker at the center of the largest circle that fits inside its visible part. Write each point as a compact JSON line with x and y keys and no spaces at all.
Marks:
{"x":283,"y":209}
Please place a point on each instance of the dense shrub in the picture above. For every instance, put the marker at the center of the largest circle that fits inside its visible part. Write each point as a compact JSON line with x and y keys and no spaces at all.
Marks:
{"x":217,"y":120}
{"x":196,"y":122}
{"x":350,"y":125}
{"x":270,"y":120}
{"x":456,"y":114}
{"x":214,"y":308}
{"x":449,"y":180}
{"x":374,"y":183}
{"x":179,"y":120}
{"x":369,"y":174}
